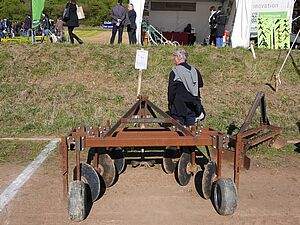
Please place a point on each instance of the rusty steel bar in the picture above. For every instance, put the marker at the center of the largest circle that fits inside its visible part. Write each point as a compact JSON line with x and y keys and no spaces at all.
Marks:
{"x":237,"y":160}
{"x":146,"y":120}
{"x":130,"y":112}
{"x":63,"y":149}
{"x":96,"y":160}
{"x":219,"y":163}
{"x":252,"y":111}
{"x":165,"y":115}
{"x":193,"y":156}
{"x":151,"y":142}
{"x":77,"y":150}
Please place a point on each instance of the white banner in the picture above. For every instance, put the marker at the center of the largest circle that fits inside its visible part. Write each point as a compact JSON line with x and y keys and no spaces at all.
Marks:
{"x":241,"y":31}
{"x":139,"y":9}
{"x":270,"y":6}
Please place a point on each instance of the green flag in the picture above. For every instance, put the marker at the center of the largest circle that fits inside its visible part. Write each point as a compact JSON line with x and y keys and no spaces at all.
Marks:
{"x":37,"y":9}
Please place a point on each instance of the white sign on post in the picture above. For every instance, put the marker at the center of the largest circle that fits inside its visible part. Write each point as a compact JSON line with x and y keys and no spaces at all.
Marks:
{"x":141,"y":59}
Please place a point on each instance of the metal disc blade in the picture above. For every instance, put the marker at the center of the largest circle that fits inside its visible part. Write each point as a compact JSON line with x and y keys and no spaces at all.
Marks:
{"x":183,"y":175}
{"x":168,"y":164}
{"x":107,"y":169}
{"x":209,"y":175}
{"x":118,"y":157}
{"x":89,"y":176}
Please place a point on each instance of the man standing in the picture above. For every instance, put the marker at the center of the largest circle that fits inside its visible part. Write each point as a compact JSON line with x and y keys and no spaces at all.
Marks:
{"x":184,"y":100}
{"x":131,"y":27}
{"x":118,"y":16}
{"x":212,"y":25}
{"x":28,"y":26}
{"x":220,"y":29}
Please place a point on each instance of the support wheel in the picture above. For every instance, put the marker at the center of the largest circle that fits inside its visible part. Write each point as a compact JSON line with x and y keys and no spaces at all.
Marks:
{"x":169,"y":165}
{"x":183,"y":175}
{"x":209,"y":175}
{"x":77,"y":201}
{"x":225,"y":196}
{"x":90,"y":176}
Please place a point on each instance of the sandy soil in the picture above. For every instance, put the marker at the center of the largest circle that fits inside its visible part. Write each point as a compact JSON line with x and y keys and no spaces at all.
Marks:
{"x":8,"y":173}
{"x":149,"y":196}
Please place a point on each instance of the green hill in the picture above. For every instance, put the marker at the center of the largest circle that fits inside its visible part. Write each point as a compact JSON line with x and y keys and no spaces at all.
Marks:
{"x":46,"y":90}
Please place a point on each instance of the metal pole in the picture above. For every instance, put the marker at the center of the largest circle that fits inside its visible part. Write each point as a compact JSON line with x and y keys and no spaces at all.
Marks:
{"x":277,"y":76}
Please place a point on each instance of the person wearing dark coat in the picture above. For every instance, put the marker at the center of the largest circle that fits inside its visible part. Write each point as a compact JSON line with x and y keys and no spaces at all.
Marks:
{"x":131,"y":27}
{"x":212,"y":25}
{"x":73,"y":21}
{"x":118,"y":15}
{"x":184,"y":100}
{"x":220,"y":26}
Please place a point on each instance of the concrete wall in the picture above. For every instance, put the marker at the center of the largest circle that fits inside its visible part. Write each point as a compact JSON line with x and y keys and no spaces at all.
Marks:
{"x":177,"y":21}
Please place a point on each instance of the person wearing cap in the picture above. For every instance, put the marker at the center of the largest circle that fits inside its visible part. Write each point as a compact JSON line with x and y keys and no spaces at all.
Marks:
{"x":118,"y":15}
{"x":184,"y":100}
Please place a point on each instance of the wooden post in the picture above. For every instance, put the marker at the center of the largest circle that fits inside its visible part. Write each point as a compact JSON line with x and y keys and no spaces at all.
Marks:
{"x":139,"y":83}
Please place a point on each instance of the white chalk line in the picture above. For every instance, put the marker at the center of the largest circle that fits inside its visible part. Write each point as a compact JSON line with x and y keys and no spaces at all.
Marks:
{"x":9,"y":193}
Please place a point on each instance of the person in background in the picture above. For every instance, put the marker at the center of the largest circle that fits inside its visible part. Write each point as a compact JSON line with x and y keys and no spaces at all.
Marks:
{"x":118,"y":17}
{"x":212,"y":25}
{"x":184,"y":100}
{"x":1,"y":29}
{"x":59,"y":28}
{"x":45,"y":24}
{"x":73,"y":22}
{"x":191,"y":36}
{"x":28,"y":26}
{"x":220,"y":28}
{"x":131,"y":27}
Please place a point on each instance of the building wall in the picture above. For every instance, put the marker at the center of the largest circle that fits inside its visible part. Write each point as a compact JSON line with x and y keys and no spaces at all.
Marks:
{"x":177,"y":21}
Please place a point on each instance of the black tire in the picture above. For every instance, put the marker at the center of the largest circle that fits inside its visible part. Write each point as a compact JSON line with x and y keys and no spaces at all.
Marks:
{"x":208,"y":178}
{"x":225,"y":196}
{"x":77,"y":201}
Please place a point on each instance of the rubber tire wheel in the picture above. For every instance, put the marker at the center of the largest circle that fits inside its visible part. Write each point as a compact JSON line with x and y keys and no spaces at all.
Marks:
{"x":77,"y":201}
{"x":209,"y":174}
{"x":183,"y":176}
{"x":225,"y":196}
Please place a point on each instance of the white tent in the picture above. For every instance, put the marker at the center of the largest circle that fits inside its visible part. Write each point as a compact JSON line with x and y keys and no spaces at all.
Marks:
{"x":174,"y":15}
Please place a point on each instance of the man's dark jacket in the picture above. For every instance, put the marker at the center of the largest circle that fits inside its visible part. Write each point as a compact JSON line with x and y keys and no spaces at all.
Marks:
{"x":221,"y":22}
{"x":179,"y":98}
{"x":118,"y":12}
{"x":132,"y":17}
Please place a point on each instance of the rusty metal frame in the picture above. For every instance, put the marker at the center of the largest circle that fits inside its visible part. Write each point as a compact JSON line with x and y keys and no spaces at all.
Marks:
{"x":249,"y":137}
{"x":145,"y":125}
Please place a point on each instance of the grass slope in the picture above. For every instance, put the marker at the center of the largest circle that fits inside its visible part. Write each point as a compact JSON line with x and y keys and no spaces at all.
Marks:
{"x":49,"y":89}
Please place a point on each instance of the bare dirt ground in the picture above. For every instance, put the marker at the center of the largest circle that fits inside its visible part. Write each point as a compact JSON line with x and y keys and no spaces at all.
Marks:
{"x":9,"y":172}
{"x":149,"y":196}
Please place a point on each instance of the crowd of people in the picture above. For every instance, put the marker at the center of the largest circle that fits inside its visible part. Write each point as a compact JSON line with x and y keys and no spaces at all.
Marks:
{"x":24,"y":29}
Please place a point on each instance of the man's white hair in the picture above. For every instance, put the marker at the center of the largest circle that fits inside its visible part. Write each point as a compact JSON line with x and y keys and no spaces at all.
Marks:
{"x":182,"y":54}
